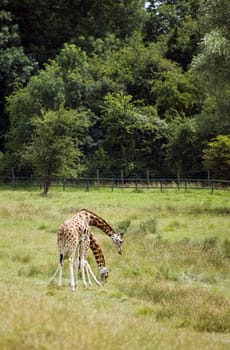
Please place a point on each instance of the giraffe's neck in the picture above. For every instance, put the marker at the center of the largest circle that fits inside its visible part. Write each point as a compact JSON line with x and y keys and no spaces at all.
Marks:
{"x":98,"y":222}
{"x":97,"y":252}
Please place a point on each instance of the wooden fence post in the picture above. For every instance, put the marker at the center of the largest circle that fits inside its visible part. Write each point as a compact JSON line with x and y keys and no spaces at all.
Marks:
{"x":208,"y":177}
{"x":161,"y":185}
{"x":213,"y":186}
{"x":178,"y":179}
{"x":13,"y":178}
{"x":98,"y":179}
{"x":147,"y":173}
{"x":122,"y":177}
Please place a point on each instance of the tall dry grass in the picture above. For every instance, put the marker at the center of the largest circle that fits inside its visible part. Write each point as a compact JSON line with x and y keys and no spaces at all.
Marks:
{"x":169,"y":289}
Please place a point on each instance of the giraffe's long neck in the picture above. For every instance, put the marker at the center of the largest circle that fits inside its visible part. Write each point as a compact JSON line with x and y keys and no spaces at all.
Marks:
{"x":97,"y":251}
{"x":98,"y":222}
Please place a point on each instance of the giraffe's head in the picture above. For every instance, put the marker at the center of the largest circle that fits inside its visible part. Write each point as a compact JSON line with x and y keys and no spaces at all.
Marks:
{"x":118,"y":240}
{"x":103,"y":273}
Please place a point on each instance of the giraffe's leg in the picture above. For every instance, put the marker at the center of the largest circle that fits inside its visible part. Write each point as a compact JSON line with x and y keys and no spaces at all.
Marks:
{"x":92,"y":274}
{"x":83,"y":272}
{"x":60,"y":275}
{"x":87,"y":273}
{"x":77,"y":265}
{"x":76,"y":271}
{"x":60,"y":269}
{"x":53,"y":277}
{"x":71,"y":265}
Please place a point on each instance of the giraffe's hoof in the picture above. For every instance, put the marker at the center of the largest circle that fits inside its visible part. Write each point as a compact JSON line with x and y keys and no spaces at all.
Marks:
{"x":73,"y":287}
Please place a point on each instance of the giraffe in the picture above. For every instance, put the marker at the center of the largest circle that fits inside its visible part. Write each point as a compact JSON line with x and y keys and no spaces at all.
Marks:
{"x":69,"y":238}
{"x":94,"y":220}
{"x":88,"y":240}
{"x":81,"y":259}
{"x":103,"y":271}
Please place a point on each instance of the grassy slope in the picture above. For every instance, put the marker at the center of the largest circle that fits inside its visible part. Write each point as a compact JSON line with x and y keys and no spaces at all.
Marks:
{"x":169,"y":290}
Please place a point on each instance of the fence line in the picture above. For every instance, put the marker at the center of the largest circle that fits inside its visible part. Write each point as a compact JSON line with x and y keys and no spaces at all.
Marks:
{"x":88,"y":183}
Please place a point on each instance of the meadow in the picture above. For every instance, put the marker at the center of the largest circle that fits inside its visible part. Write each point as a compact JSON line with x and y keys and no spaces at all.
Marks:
{"x":169,"y":290}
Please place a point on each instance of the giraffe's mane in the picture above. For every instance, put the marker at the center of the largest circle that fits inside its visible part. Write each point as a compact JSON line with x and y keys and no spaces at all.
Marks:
{"x":99,"y":217}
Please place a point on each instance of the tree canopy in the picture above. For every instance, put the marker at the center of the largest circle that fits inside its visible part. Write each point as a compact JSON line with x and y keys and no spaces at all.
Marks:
{"x":54,"y":148}
{"x":114,"y":85}
{"x":217,"y":156}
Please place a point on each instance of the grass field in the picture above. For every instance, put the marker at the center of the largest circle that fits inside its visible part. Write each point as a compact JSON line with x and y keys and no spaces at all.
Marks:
{"x":169,"y":290}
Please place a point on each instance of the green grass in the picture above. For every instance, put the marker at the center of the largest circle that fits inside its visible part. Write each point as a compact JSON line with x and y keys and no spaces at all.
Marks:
{"x":169,"y":289}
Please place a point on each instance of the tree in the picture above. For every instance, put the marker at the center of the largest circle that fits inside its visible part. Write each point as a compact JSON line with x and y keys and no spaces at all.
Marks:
{"x":54,"y":149}
{"x":133,"y":136}
{"x":177,"y":94}
{"x":142,"y":72}
{"x":182,"y":150}
{"x":217,"y":156}
{"x":44,"y":91}
{"x":15,"y":66}
{"x":60,"y":82}
{"x":212,"y":62}
{"x":177,"y":24}
{"x":216,"y":15}
{"x":73,"y":69}
{"x":46,"y":25}
{"x":129,"y":91}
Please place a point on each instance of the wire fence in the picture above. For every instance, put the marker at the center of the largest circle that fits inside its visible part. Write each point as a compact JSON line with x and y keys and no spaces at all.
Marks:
{"x":112,"y":183}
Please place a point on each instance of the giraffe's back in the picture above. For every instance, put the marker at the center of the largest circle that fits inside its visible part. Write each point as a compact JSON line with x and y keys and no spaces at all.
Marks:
{"x":69,"y":233}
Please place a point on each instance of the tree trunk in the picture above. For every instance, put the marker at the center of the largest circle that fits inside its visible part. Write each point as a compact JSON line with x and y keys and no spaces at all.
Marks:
{"x":46,"y":187}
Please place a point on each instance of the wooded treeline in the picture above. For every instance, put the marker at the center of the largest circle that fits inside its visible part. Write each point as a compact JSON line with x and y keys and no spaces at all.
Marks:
{"x":87,"y":85}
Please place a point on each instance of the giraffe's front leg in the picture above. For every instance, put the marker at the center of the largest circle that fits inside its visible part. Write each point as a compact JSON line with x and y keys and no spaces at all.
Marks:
{"x":60,"y":276}
{"x":77,"y":269}
{"x":71,"y":266}
{"x":60,"y":269}
{"x":54,"y":275}
{"x":83,"y":272}
{"x":88,"y":273}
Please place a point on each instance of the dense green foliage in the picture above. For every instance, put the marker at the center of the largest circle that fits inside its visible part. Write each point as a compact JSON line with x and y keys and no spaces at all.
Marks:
{"x":15,"y":66}
{"x":54,"y":147}
{"x":217,"y":156}
{"x":153,"y":84}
